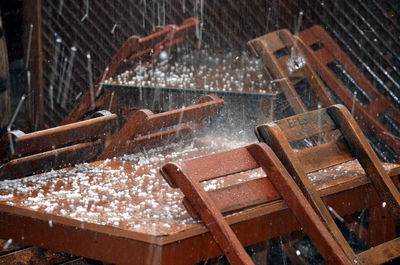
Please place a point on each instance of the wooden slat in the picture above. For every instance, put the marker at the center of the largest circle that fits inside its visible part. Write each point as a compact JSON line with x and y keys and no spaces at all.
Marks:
{"x":205,"y":108}
{"x":299,"y":205}
{"x":273,"y":41}
{"x":277,"y":138}
{"x":213,"y":219}
{"x":377,"y":106}
{"x":59,"y":136}
{"x":244,"y":195}
{"x":386,"y":189}
{"x":382,"y":253}
{"x":324,"y":56}
{"x":209,"y":167}
{"x":308,"y":37}
{"x":264,"y":47}
{"x":324,"y":155}
{"x":51,"y":159}
{"x":304,"y":125}
{"x":144,"y":122}
{"x":157,"y":139}
{"x":345,"y":61}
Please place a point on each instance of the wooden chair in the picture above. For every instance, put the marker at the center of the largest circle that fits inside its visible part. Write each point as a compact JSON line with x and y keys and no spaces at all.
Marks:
{"x":375,"y":113}
{"x":346,"y":143}
{"x":145,"y":48}
{"x":286,"y":67}
{"x":209,"y":206}
{"x":23,"y":154}
{"x":144,"y":128}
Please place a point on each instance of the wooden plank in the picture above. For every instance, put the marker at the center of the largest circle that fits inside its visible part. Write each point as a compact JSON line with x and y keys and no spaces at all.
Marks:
{"x":279,"y":143}
{"x":369,"y":122}
{"x":209,"y":167}
{"x":211,"y":217}
{"x":207,"y":106}
{"x":273,"y":41}
{"x":387,"y":191}
{"x":377,"y":106}
{"x":382,"y":253}
{"x":261,"y":48}
{"x":308,"y":37}
{"x":324,"y":56}
{"x":32,"y":10}
{"x":324,"y":155}
{"x":303,"y":125}
{"x":142,"y":122}
{"x":298,"y":203}
{"x":244,"y":195}
{"x":58,"y":136}
{"x":345,"y":61}
{"x":51,"y":159}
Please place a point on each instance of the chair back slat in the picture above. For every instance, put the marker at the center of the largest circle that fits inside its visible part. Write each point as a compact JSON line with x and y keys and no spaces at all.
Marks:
{"x":305,"y":125}
{"x":196,"y":113}
{"x":53,"y":138}
{"x":324,"y":155}
{"x":337,"y":70}
{"x":273,"y":184}
{"x":324,"y":56}
{"x":144,"y":126}
{"x":284,"y":62}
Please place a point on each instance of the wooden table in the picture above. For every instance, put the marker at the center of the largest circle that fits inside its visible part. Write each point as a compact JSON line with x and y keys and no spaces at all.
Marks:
{"x":122,"y":211}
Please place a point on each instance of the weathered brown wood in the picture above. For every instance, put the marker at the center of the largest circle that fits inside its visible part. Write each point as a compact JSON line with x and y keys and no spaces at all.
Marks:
{"x":145,"y":124}
{"x":358,"y":229}
{"x":265,"y":47}
{"x":377,"y":106}
{"x":53,"y":138}
{"x":382,"y":253}
{"x":114,"y":245}
{"x":298,"y":203}
{"x":165,"y":38}
{"x":61,"y":157}
{"x":361,"y":149}
{"x":211,"y":216}
{"x":268,"y":48}
{"x":32,"y":11}
{"x":276,"y":136}
{"x":249,"y":192}
{"x":303,"y":126}
{"x":336,"y":150}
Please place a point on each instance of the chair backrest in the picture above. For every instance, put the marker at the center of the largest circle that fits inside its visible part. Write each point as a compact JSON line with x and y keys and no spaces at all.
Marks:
{"x":313,"y":138}
{"x":351,"y":87}
{"x":346,"y":142}
{"x":144,"y":128}
{"x":288,"y":69}
{"x":147,"y":48}
{"x":208,"y":206}
{"x":22,"y":154}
